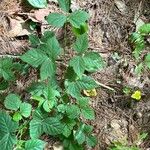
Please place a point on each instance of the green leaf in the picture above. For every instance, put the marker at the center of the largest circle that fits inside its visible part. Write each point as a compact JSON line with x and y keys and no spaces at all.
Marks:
{"x":137,"y":52}
{"x":32,"y":25}
{"x":4,"y":85}
{"x":136,"y":38}
{"x":51,"y":93}
{"x":84,"y":134}
{"x":78,"y":18}
{"x":145,"y":29}
{"x":68,"y":127}
{"x":88,"y":113}
{"x":72,"y":89}
{"x":147,"y":60}
{"x":38,"y":3}
{"x":143,"y":136}
{"x":56,"y":19}
{"x":78,"y":65}
{"x":34,"y":144}
{"x":93,"y":62}
{"x":50,"y":98}
{"x":40,"y":99}
{"x":6,"y":62}
{"x":88,"y":129}
{"x":71,"y":145}
{"x":6,"y":66}
{"x":61,"y":108}
{"x":79,"y":31}
{"x":72,"y":111}
{"x":48,"y":105}
{"x":17,"y":116}
{"x":25,"y":109}
{"x":6,"y":124}
{"x":87,"y":83}
{"x":34,"y":40}
{"x":7,"y":142}
{"x":34,"y":57}
{"x":91,"y":141}
{"x":18,"y":67}
{"x":47,"y":69}
{"x":36,"y":88}
{"x":12,"y":102}
{"x":47,"y":35}
{"x":138,"y":43}
{"x":41,"y":123}
{"x":64,"y":5}
{"x":36,"y":124}
{"x":65,"y":98}
{"x":75,"y":88}
{"x":70,"y":74}
{"x":79,"y":135}
{"x":52,"y":126}
{"x":36,"y":128}
{"x":81,"y":44}
{"x":138,"y":69}
{"x":83,"y":102}
{"x":7,"y":130}
{"x":53,"y":47}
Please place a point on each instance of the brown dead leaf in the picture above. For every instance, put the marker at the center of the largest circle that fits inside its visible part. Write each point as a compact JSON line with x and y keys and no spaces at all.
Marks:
{"x":18,"y":27}
{"x":40,"y":14}
{"x":15,"y":27}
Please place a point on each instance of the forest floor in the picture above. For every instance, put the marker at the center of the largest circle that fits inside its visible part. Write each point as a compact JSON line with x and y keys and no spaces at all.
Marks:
{"x":118,"y":116}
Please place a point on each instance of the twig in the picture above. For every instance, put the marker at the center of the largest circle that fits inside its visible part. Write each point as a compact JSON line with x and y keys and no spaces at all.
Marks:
{"x":105,"y":86}
{"x":10,"y":56}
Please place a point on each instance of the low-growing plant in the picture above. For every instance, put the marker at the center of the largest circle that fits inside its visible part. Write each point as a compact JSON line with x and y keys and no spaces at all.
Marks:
{"x":124,"y":144}
{"x":138,"y":39}
{"x":120,"y":146}
{"x":55,"y":109}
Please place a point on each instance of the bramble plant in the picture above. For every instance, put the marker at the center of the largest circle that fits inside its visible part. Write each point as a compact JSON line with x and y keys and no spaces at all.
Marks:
{"x":53,"y":109}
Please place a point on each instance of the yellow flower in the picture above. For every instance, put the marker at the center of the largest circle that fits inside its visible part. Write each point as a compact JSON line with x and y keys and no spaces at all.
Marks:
{"x":90,"y":93}
{"x":136,"y":95}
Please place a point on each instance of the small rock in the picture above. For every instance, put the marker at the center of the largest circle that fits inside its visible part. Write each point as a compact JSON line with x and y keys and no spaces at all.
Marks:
{"x":139,"y":115}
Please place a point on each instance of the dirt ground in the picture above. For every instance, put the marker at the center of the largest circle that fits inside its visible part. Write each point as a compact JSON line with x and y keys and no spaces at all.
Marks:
{"x":118,"y":117}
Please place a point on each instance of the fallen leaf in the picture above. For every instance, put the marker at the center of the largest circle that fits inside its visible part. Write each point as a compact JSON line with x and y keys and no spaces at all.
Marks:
{"x":15,"y":27}
{"x":136,"y":95}
{"x":40,"y":14}
{"x":90,"y":93}
{"x":18,"y":27}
